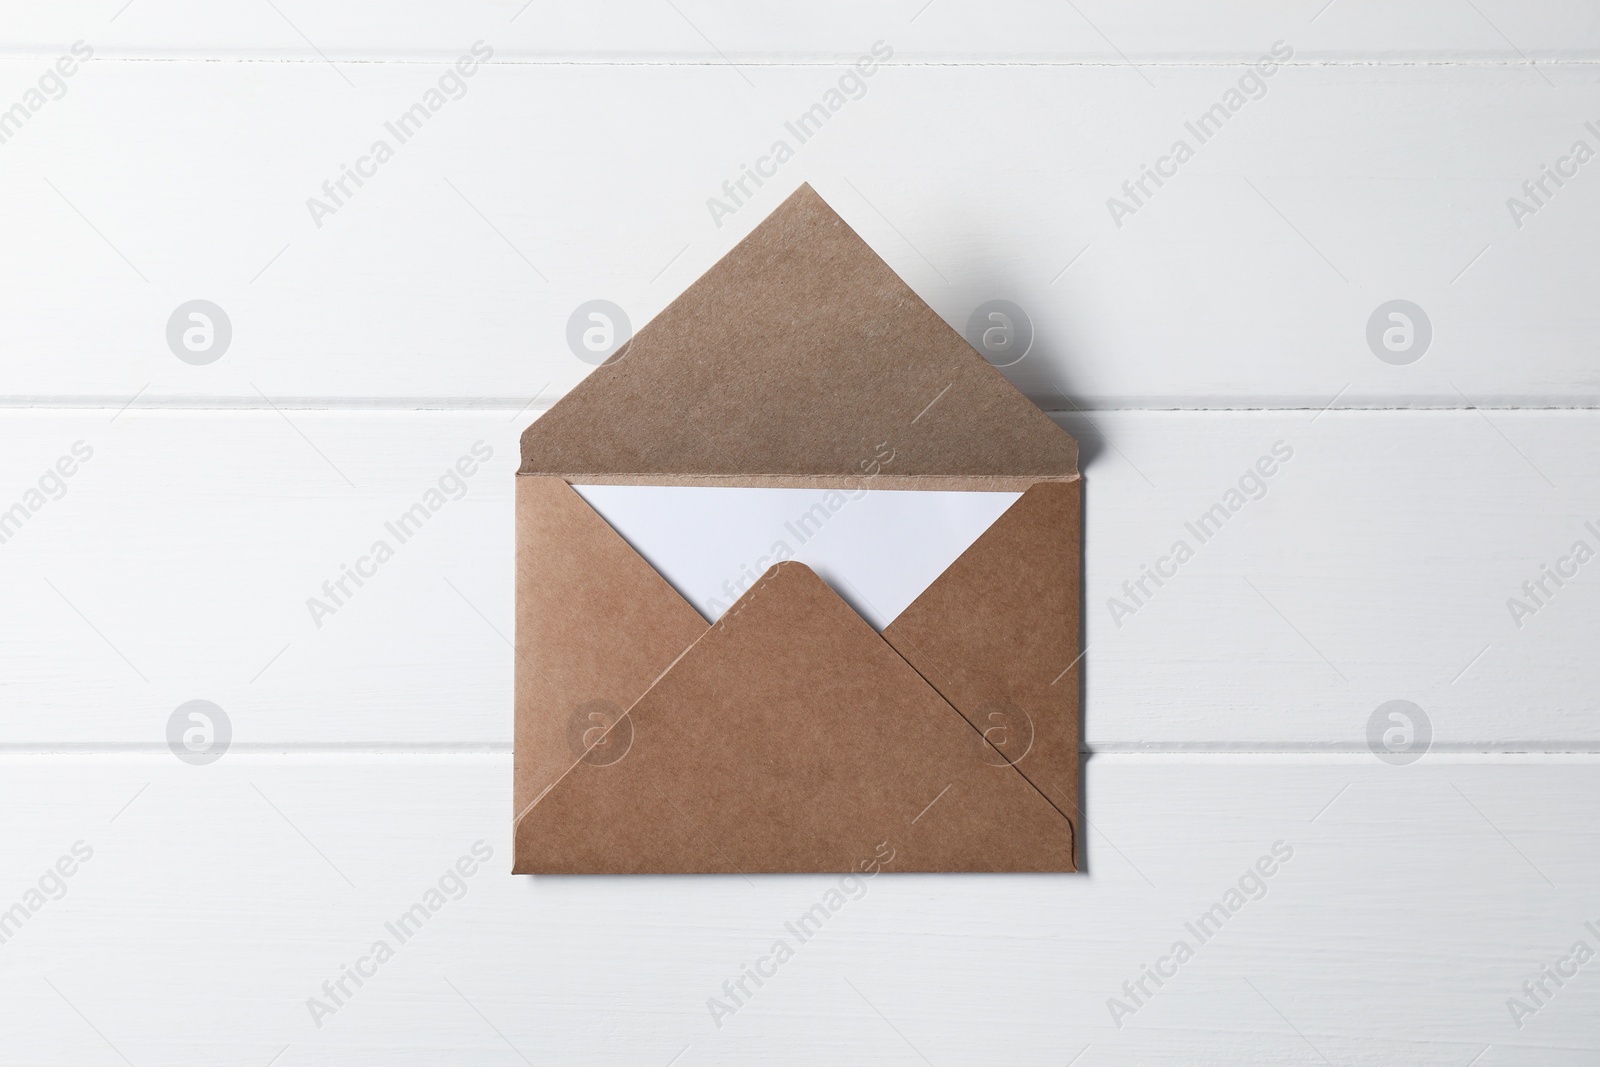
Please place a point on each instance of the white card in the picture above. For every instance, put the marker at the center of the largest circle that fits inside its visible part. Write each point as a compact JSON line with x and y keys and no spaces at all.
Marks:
{"x":877,"y":548}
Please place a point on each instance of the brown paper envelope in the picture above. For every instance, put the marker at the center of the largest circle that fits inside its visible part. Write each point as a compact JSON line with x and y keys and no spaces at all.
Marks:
{"x":791,"y":737}
{"x":597,"y":626}
{"x":799,"y":359}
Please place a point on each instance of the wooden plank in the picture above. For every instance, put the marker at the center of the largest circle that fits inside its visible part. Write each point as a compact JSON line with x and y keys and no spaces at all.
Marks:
{"x":1413,"y":903}
{"x":704,"y":31}
{"x":449,"y":276}
{"x":1376,"y":563}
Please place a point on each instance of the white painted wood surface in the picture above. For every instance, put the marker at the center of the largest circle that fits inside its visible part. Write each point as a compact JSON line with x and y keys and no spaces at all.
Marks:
{"x":218,"y":900}
{"x":716,"y":31}
{"x":1228,"y":711}
{"x":449,"y":276}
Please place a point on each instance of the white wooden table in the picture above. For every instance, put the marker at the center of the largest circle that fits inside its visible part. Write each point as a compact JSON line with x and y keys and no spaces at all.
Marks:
{"x":214,"y":911}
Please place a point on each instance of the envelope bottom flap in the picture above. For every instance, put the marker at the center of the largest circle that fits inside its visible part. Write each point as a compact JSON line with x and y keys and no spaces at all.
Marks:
{"x":790,"y":737}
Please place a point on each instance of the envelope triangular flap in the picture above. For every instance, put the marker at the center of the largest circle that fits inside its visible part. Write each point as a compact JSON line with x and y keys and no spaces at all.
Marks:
{"x":595,"y":626}
{"x":997,"y":634}
{"x":800,"y":358}
{"x":791,"y":738}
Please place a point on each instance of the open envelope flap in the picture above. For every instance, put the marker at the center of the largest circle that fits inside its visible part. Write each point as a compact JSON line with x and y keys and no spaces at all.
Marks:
{"x":997,"y":635}
{"x":799,"y":356}
{"x":790,"y":737}
{"x":595,"y":626}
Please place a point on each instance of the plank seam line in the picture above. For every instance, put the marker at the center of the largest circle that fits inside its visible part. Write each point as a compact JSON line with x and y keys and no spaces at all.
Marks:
{"x":1339,"y":751}
{"x":355,"y":405}
{"x":1158,"y":62}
